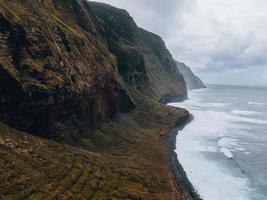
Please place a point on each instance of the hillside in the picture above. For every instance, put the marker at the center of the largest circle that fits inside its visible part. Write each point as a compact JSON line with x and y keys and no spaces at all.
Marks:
{"x":125,"y":159}
{"x":80,"y":116}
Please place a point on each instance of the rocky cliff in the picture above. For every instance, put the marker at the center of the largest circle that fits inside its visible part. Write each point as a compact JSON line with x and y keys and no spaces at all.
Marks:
{"x":143,"y":59}
{"x":192,"y":81}
{"x":53,"y":67}
{"x":84,"y":76}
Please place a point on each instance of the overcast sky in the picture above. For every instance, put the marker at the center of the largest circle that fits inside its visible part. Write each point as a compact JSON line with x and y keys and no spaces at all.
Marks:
{"x":223,"y":41}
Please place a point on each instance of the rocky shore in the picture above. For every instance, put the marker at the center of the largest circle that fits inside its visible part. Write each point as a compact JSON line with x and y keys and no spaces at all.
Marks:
{"x":176,"y":168}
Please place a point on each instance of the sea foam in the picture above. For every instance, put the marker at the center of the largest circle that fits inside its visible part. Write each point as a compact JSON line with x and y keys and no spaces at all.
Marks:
{"x":222,"y":149}
{"x":256,"y":103}
{"x":226,"y":152}
{"x":244,"y":112}
{"x":193,"y":145}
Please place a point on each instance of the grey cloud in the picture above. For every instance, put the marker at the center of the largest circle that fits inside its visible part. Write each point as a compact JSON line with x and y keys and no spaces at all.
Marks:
{"x":158,"y":16}
{"x":211,"y":36}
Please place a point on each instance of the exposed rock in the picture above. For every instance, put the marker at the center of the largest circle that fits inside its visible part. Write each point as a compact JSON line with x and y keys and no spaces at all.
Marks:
{"x":54,"y":70}
{"x":143,"y":59}
{"x":192,"y":81}
{"x":56,"y":62}
{"x":83,"y":74}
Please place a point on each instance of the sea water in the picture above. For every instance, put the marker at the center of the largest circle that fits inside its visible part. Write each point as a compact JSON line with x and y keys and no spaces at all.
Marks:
{"x":224,"y":149}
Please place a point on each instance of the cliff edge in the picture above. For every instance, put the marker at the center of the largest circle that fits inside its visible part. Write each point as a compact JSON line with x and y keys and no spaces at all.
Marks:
{"x":144,"y":62}
{"x":192,"y":81}
{"x":80,"y":117}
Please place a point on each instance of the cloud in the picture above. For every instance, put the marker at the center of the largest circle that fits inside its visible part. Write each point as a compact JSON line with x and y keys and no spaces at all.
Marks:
{"x":154,"y":15}
{"x":211,"y":36}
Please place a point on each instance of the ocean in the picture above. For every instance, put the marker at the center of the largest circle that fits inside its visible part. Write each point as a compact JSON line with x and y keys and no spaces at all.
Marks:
{"x":224,"y":149}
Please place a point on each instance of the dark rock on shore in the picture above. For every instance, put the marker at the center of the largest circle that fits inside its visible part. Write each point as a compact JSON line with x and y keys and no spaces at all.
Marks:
{"x":177,"y":170}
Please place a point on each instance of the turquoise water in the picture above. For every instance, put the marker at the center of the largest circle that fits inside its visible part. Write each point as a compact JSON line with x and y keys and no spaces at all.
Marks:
{"x":224,"y":149}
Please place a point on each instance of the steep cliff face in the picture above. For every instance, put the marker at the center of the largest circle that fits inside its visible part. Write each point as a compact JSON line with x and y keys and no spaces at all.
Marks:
{"x":192,"y":81}
{"x":53,"y":67}
{"x":70,"y":75}
{"x":143,"y":59}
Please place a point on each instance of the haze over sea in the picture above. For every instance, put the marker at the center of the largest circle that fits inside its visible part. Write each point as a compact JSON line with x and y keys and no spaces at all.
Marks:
{"x":224,"y":149}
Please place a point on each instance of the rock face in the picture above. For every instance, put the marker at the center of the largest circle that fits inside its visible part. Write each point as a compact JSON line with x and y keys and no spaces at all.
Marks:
{"x":83,"y":74}
{"x":192,"y":81}
{"x":54,"y":67}
{"x":143,"y":59}
{"x":57,"y":59}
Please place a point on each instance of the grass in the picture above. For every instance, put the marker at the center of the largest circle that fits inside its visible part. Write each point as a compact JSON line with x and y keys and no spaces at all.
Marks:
{"x":131,"y":167}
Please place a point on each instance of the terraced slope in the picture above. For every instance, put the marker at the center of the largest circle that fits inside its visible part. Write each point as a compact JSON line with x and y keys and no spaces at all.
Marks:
{"x":131,"y":167}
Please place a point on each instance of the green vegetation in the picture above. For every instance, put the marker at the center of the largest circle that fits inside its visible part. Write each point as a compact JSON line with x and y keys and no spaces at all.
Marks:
{"x":59,"y":81}
{"x":123,"y":160}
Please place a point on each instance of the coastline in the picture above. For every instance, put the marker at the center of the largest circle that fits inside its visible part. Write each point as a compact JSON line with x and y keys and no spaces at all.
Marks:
{"x":178,"y":173}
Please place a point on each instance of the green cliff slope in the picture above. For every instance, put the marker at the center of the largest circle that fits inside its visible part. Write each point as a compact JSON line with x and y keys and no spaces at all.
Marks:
{"x":143,"y":59}
{"x":96,"y":106}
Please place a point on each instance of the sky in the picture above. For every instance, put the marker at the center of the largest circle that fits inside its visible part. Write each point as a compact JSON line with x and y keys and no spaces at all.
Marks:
{"x":223,"y":41}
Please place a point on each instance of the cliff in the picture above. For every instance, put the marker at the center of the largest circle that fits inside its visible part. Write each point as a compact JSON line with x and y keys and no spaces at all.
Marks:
{"x":54,"y":70}
{"x":90,"y":89}
{"x":192,"y":81}
{"x":143,"y":59}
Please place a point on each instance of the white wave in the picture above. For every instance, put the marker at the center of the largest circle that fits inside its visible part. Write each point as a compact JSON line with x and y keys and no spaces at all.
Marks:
{"x":248,"y":120}
{"x":256,"y":103}
{"x":226,"y":152}
{"x":228,"y":142}
{"x":208,"y":149}
{"x":191,"y":149}
{"x":231,"y":144}
{"x":192,"y":146}
{"x":240,"y":149}
{"x":211,"y":134}
{"x":205,"y":174}
{"x":217,"y":105}
{"x":244,"y":112}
